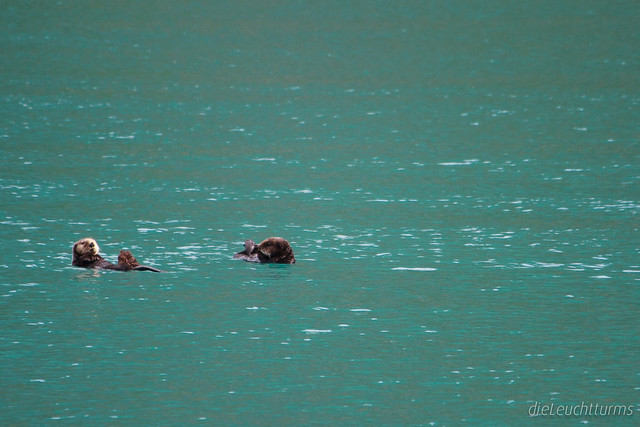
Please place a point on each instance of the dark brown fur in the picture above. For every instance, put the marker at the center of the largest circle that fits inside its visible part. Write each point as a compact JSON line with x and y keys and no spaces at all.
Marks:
{"x":85,"y":255}
{"x":275,"y":250}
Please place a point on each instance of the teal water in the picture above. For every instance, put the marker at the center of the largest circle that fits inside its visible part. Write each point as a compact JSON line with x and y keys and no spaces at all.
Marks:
{"x":459,"y":182}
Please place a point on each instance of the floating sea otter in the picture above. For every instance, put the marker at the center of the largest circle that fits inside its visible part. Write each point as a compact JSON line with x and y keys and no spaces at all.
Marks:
{"x":86,"y":254}
{"x":272,"y":250}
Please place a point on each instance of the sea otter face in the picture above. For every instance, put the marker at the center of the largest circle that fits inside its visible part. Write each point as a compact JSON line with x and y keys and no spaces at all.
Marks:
{"x":86,"y":246}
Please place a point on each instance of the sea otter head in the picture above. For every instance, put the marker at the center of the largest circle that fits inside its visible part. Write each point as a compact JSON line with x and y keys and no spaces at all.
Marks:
{"x":85,"y":247}
{"x":276,"y":249}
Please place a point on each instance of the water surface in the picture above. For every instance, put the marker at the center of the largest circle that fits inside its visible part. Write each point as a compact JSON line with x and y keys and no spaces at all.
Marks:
{"x":459,"y":181}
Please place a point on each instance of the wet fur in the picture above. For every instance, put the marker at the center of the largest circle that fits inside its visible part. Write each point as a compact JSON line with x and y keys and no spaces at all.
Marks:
{"x":86,"y":254}
{"x":275,"y":250}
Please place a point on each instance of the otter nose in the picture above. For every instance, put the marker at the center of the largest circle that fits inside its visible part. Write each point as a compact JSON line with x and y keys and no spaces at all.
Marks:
{"x":91,"y":244}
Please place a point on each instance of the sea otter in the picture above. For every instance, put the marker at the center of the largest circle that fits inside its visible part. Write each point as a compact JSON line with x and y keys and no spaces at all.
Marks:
{"x":86,"y":254}
{"x":272,"y":250}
